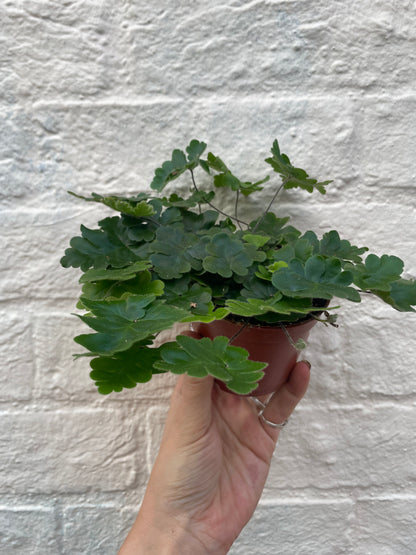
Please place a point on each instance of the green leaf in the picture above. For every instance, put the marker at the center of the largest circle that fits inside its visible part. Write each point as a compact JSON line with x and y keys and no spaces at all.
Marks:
{"x":100,"y":248}
{"x":142,"y":284}
{"x":196,"y":298}
{"x":227,"y":254}
{"x":121,"y":274}
{"x":139,"y":230}
{"x":300,"y":249}
{"x":256,"y":288}
{"x":195,"y":149}
{"x":197,"y":197}
{"x":257,"y":240}
{"x":402,"y":295}
{"x":201,"y":357}
{"x":209,"y":316}
{"x":226,"y":179}
{"x":332,"y":245}
{"x":256,"y":307}
{"x":216,"y":163}
{"x":275,"y":228}
{"x":134,"y":206}
{"x":126,"y":369}
{"x":172,"y":256}
{"x":169,"y":170}
{"x":199,"y":222}
{"x":319,"y":278}
{"x":173,"y":168}
{"x":121,"y":323}
{"x":293,"y":177}
{"x":377,"y":273}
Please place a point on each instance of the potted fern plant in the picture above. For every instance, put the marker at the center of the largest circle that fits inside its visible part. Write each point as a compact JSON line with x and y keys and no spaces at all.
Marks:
{"x":262,"y":284}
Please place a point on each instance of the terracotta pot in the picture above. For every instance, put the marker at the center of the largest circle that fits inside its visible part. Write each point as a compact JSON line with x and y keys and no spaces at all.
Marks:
{"x":266,"y":344}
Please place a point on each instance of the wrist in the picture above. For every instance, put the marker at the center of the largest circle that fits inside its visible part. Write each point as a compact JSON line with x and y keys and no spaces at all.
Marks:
{"x":161,"y":535}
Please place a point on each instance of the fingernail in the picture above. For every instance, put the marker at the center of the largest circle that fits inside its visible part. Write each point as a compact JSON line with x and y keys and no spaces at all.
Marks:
{"x":308,"y":363}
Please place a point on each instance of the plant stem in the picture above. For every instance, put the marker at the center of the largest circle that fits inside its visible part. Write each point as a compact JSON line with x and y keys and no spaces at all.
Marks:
{"x":270,"y":204}
{"x":236,"y":209}
{"x":243,"y":327}
{"x":214,"y":207}
{"x":288,"y":336}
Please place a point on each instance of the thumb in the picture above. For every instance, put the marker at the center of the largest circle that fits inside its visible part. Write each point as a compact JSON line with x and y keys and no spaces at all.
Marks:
{"x":193,"y":393}
{"x":191,"y":403}
{"x":191,"y":398}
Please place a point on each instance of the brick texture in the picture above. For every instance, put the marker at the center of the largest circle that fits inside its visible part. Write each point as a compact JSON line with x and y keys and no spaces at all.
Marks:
{"x":93,"y":96}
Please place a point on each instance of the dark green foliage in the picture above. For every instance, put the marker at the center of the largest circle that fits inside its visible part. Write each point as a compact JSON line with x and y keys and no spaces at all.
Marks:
{"x":121,"y":323}
{"x":124,"y":369}
{"x":226,"y":179}
{"x":318,"y":277}
{"x":202,"y":357}
{"x":168,"y":259}
{"x":179,"y":163}
{"x":377,"y":273}
{"x":293,"y":177}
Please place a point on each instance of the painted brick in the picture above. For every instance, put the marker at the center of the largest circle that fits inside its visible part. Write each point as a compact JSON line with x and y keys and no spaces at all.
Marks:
{"x":95,"y":529}
{"x":379,"y":357}
{"x":60,"y":376}
{"x":384,"y":526}
{"x":388,"y":163}
{"x":122,"y":50}
{"x":16,"y":347}
{"x":49,"y":38}
{"x":28,"y":530}
{"x":331,"y":448}
{"x":369,"y":354}
{"x":108,"y":148}
{"x":68,"y":451}
{"x":93,"y":97}
{"x":31,"y":266}
{"x":300,"y":527}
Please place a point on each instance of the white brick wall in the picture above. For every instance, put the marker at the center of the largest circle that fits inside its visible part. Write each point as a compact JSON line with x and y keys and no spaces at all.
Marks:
{"x":93,"y":96}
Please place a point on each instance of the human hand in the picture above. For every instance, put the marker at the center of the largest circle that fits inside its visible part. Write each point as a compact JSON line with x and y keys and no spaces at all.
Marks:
{"x":212,"y":465}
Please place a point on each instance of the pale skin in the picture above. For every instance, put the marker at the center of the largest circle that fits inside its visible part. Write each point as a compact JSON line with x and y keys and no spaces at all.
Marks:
{"x":212,"y":465}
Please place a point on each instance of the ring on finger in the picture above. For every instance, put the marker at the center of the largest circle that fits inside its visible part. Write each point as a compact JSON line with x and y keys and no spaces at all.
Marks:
{"x":279,"y":425}
{"x":261,"y":406}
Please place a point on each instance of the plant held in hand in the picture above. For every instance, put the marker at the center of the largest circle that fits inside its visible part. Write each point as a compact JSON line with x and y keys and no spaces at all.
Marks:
{"x":168,"y":259}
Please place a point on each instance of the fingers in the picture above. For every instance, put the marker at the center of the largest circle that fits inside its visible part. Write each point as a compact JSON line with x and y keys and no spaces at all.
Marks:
{"x":284,"y":401}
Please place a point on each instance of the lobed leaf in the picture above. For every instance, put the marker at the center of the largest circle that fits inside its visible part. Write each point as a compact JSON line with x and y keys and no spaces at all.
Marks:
{"x":197,"y":197}
{"x":377,"y":273}
{"x":275,"y":228}
{"x":100,"y":248}
{"x":125,"y":369}
{"x":226,"y":179}
{"x":201,"y":357}
{"x":293,"y":177}
{"x":142,"y":284}
{"x":319,"y":278}
{"x":402,"y":295}
{"x":178,"y":164}
{"x":172,"y":256}
{"x":134,"y":206}
{"x":276,"y":304}
{"x":119,"y":274}
{"x":332,"y":245}
{"x":228,"y":255}
{"x":123,"y":322}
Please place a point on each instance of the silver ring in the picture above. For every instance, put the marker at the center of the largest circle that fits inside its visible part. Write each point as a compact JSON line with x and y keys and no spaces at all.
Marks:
{"x":273,"y":424}
{"x":259,"y":404}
